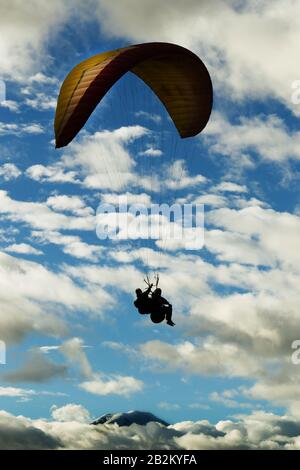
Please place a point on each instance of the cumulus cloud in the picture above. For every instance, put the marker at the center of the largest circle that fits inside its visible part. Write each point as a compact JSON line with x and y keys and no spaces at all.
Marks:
{"x":102,"y":384}
{"x":178,"y":177}
{"x":71,"y":244}
{"x":73,"y":204}
{"x":25,"y":394}
{"x":23,"y":53}
{"x":12,"y":105}
{"x":103,"y":159}
{"x":51,"y":174}
{"x":33,"y":296}
{"x":23,"y":433}
{"x":267,"y":137}
{"x":211,"y":200}
{"x":98,"y":383}
{"x":98,"y":161}
{"x":148,"y":116}
{"x":36,"y":369}
{"x":164,"y":405}
{"x":212,"y":357}
{"x":23,"y":248}
{"x":70,"y":412}
{"x":39,"y":215}
{"x":247,"y":67}
{"x":227,"y":398}
{"x":69,"y":430}
{"x":274,"y":234}
{"x":246,"y":328}
{"x":19,"y":433}
{"x":9,"y":171}
{"x":152,"y":152}
{"x":73,"y":351}
{"x":20,"y":129}
{"x":228,"y":186}
{"x":16,"y":392}
{"x":41,"y":101}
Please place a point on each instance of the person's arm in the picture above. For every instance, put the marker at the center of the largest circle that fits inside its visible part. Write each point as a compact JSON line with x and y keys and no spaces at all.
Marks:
{"x":147,"y":291}
{"x":165,"y":301}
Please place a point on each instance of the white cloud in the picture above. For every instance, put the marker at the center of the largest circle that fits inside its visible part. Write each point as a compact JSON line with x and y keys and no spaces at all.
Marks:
{"x":254,"y":66}
{"x":236,"y":247}
{"x":129,"y":198}
{"x":149,"y":116}
{"x":20,"y":129}
{"x":47,"y":349}
{"x":13,"y":106}
{"x":40,"y":77}
{"x":228,"y":186}
{"x":40,"y":216}
{"x":211,"y":200}
{"x":248,"y":329}
{"x":73,"y":204}
{"x":36,"y":299}
{"x":69,"y":430}
{"x":152,"y":152}
{"x":23,"y":393}
{"x":199,"y":406}
{"x":71,"y":244}
{"x":71,"y":412}
{"x":212,"y":357}
{"x":9,"y":171}
{"x":273,"y":235}
{"x":98,"y":383}
{"x":42,"y":101}
{"x":98,"y":161}
{"x":168,"y":406}
{"x":114,"y":384}
{"x":178,"y":177}
{"x":25,"y":32}
{"x":73,"y":351}
{"x":266,"y":136}
{"x":23,"y":248}
{"x":103,"y":159}
{"x":227,"y":398}
{"x":51,"y":174}
{"x":15,"y":392}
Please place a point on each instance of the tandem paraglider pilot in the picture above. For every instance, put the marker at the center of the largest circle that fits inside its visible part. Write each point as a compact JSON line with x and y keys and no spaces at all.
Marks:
{"x":156,"y":306}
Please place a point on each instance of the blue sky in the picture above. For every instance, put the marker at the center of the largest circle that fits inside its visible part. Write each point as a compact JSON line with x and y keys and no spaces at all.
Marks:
{"x":72,"y":334}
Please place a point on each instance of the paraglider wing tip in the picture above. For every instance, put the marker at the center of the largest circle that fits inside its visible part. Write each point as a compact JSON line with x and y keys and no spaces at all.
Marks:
{"x":59,"y":144}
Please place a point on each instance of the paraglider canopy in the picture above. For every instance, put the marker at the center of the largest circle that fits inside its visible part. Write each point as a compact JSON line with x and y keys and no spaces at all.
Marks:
{"x":176,"y":75}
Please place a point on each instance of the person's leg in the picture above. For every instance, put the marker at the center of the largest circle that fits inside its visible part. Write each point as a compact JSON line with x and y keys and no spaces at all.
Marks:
{"x":168,"y":311}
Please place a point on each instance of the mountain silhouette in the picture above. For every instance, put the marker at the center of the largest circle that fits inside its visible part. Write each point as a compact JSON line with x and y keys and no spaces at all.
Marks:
{"x":126,"y":419}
